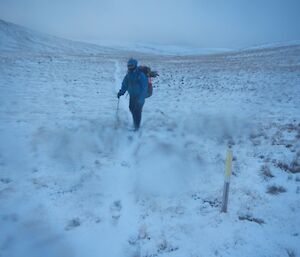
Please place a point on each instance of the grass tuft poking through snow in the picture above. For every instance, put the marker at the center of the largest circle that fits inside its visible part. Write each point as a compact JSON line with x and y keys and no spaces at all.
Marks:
{"x":275,"y":190}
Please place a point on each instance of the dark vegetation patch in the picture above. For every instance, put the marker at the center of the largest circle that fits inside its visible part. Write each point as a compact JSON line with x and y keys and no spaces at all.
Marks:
{"x":266,"y":172}
{"x":252,"y":219}
{"x":291,"y":127}
{"x":275,"y":190}
{"x":73,"y":223}
{"x":213,"y":203}
{"x":166,"y":247}
{"x":293,"y":167}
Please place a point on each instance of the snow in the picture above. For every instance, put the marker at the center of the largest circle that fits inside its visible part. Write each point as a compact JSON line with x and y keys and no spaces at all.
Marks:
{"x":76,"y":181}
{"x":16,"y":39}
{"x":158,"y":49}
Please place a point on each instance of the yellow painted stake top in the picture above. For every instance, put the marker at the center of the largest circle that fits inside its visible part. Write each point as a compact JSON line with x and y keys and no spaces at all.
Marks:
{"x":228,"y":164}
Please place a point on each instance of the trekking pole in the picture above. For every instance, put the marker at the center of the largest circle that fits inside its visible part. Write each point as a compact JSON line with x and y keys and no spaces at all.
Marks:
{"x":117,"y":114}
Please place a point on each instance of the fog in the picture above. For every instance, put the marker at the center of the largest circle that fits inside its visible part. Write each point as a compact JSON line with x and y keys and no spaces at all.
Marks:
{"x":202,"y":23}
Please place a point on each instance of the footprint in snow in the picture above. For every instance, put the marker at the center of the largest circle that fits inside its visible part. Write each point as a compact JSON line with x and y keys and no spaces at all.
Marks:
{"x":115,"y":210}
{"x":12,"y":217}
{"x":5,"y":180}
{"x":73,"y":223}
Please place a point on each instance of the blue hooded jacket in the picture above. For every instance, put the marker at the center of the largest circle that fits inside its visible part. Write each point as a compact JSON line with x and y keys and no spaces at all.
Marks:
{"x":136,"y":83}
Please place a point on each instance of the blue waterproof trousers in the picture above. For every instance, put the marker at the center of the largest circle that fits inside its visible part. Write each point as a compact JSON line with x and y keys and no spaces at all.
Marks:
{"x":136,"y":110}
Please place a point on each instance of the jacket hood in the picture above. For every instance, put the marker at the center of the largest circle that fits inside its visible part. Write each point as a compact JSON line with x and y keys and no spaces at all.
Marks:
{"x":132,"y":62}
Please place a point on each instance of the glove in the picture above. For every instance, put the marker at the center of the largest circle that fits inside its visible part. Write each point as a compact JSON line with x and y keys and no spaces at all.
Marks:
{"x":119,"y":94}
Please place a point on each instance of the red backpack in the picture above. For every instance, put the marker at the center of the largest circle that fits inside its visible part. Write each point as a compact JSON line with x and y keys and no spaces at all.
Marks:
{"x":149,"y":74}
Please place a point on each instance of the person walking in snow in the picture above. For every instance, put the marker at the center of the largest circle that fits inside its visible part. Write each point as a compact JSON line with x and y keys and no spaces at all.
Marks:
{"x":136,"y":83}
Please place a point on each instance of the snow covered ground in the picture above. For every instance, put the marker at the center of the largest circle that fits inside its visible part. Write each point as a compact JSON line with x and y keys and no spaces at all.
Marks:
{"x":75,"y":181}
{"x":159,"y":49}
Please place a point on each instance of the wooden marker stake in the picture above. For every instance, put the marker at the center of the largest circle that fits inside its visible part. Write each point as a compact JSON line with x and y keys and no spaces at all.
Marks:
{"x":227,"y":180}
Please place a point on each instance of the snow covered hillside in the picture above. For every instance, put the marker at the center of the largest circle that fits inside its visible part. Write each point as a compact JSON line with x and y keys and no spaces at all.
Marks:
{"x":161,"y":49}
{"x":75,"y":181}
{"x":19,"y":40}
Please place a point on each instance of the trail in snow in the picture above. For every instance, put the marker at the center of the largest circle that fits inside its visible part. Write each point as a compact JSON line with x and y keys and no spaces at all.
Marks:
{"x":119,"y":183}
{"x":123,"y":116}
{"x":117,"y":87}
{"x":72,"y":185}
{"x":117,"y":75}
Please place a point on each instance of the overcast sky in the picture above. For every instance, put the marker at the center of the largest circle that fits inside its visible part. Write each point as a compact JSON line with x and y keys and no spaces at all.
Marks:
{"x":203,"y":23}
